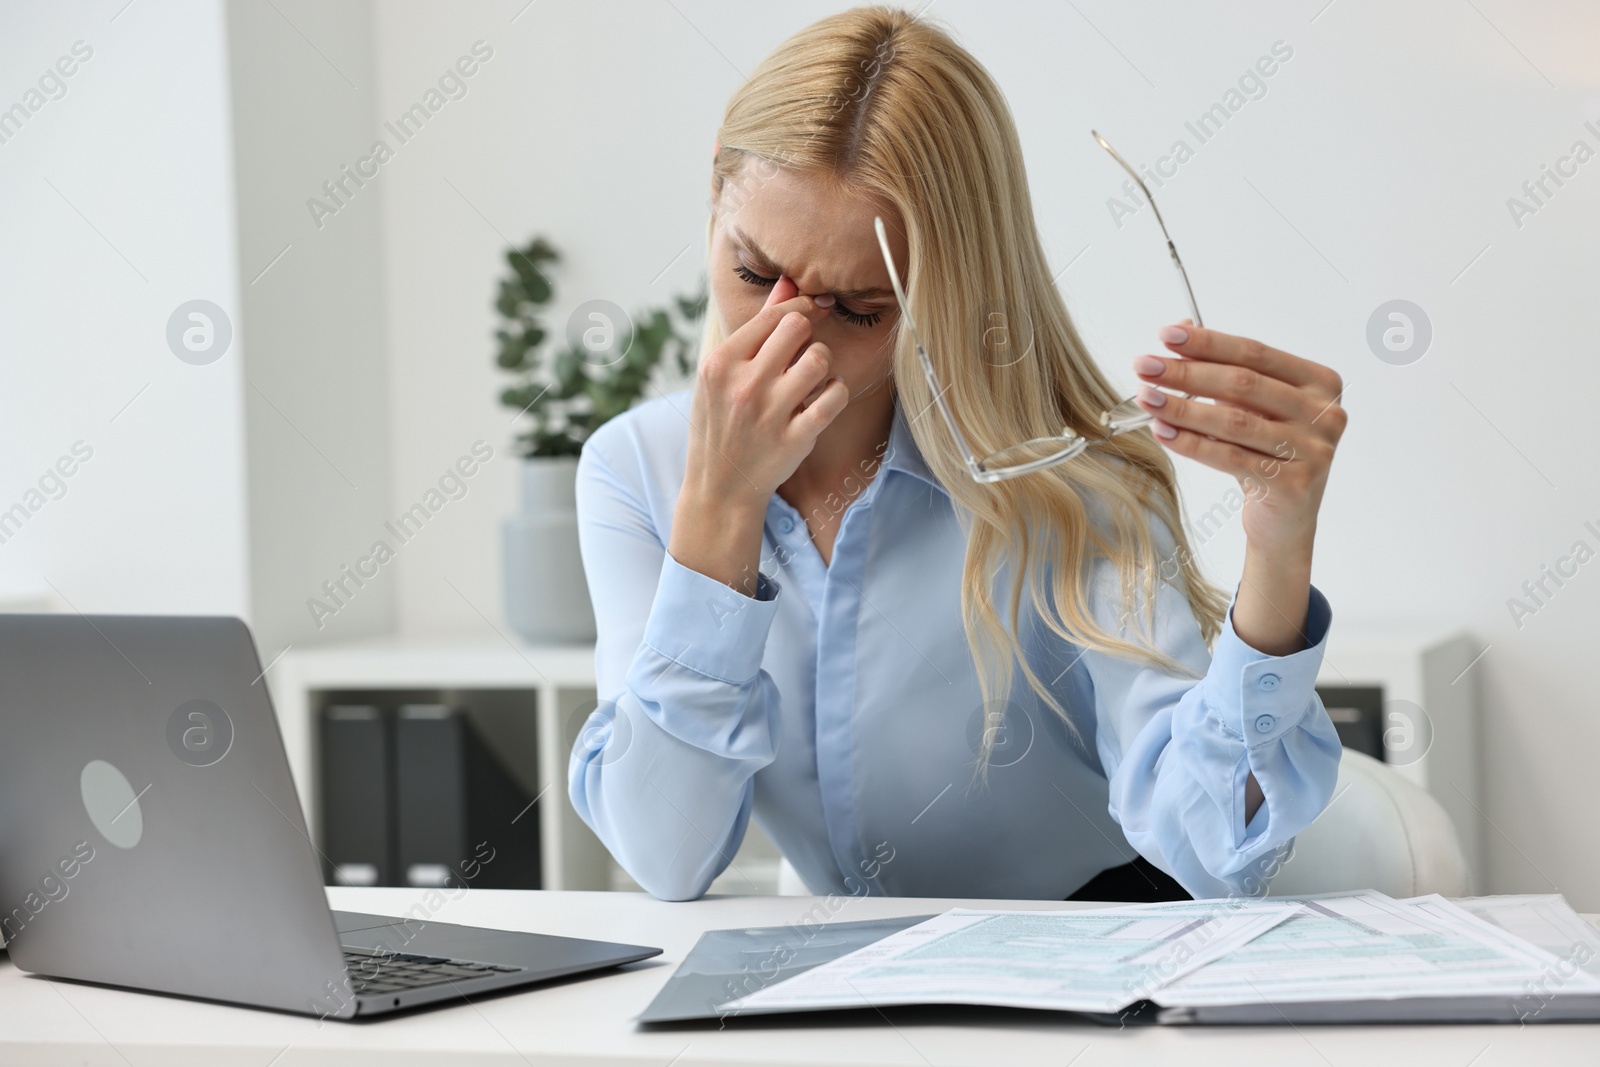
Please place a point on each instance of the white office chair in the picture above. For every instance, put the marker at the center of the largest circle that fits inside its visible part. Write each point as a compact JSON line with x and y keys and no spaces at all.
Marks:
{"x":1381,"y":831}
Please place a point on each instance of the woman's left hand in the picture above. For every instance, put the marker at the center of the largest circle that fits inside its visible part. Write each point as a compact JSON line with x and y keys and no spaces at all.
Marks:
{"x":1275,"y":425}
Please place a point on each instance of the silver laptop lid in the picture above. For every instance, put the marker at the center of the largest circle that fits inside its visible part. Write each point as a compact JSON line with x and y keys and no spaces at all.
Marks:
{"x":150,"y":833}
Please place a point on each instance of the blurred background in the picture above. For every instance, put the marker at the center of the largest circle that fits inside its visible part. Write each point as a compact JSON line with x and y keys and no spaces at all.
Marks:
{"x":1411,"y":196}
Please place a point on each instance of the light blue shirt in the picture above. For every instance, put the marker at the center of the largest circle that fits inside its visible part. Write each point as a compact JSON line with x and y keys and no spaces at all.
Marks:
{"x":840,"y":707}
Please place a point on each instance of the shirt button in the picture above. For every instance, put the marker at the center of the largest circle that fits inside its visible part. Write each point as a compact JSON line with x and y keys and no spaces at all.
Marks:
{"x":1264,"y":724}
{"x":1269,"y":682}
{"x":786,"y":524}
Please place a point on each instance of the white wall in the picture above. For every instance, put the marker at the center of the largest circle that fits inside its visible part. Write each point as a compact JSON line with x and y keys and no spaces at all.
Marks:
{"x":1376,"y":166}
{"x":317,"y":398}
{"x":556,"y":135}
{"x":164,"y":174}
{"x":116,"y":206}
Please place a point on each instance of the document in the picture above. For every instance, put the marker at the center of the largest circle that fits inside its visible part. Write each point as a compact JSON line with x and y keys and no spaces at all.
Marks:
{"x":1355,"y":957}
{"x":1101,"y":960}
{"x":1544,"y":920}
{"x":1367,"y":946}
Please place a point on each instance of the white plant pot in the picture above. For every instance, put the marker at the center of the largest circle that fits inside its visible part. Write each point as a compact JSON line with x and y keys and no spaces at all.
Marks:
{"x":546,"y":597}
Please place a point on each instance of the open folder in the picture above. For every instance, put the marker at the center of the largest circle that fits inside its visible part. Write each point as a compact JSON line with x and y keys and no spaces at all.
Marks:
{"x":1341,"y":958}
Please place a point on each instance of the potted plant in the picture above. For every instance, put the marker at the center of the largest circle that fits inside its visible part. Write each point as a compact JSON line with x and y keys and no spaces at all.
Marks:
{"x":598,"y":370}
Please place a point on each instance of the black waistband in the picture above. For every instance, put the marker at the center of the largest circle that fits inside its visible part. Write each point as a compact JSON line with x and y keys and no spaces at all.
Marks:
{"x":1138,"y":882}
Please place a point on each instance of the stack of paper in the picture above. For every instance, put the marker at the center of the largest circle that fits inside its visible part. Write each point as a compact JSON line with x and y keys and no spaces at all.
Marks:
{"x":1336,"y":958}
{"x":1371,"y":958}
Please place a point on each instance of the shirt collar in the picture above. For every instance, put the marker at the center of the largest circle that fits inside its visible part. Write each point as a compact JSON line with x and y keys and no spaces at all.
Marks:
{"x":903,"y":453}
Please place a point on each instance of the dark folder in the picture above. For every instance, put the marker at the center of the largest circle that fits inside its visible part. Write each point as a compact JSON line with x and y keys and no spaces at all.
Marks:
{"x":461,"y":818}
{"x":356,"y":823}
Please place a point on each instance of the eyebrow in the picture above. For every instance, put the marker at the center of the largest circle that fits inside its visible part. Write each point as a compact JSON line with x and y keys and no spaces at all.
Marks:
{"x":765,"y":261}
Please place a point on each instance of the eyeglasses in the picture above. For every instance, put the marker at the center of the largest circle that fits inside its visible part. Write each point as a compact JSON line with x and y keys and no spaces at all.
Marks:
{"x":1040,"y":452}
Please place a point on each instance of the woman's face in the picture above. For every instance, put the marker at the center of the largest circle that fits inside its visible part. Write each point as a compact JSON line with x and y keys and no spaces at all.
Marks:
{"x":770,"y":222}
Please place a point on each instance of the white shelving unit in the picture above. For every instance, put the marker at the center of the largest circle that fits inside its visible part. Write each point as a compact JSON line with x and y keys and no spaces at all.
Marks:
{"x":557,"y":681}
{"x":554,"y":682}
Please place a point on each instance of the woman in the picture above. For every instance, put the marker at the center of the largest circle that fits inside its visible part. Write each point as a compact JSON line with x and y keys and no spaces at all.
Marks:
{"x":917,"y":683}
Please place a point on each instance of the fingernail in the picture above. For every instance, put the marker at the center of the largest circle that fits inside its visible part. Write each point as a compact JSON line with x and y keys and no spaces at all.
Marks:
{"x":1173,"y":335}
{"x":1149,"y":365}
{"x":1152,"y":396}
{"x":1163,"y":430}
{"x":825,"y":300}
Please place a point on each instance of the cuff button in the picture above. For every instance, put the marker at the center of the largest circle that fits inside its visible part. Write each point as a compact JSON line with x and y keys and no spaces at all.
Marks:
{"x":1269,"y":682}
{"x":1264,"y":724}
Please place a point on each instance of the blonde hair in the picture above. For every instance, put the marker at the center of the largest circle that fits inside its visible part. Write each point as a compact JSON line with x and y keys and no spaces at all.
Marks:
{"x":890,"y":105}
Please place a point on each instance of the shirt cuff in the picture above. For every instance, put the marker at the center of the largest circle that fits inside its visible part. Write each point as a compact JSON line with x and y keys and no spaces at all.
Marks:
{"x":1261,"y":697}
{"x":708,"y":627}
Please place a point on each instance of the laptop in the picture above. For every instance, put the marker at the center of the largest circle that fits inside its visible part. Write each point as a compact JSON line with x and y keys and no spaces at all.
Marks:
{"x":151,"y":837}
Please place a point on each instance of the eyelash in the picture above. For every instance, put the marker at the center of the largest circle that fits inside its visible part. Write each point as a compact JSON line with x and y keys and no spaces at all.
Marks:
{"x":852,"y":317}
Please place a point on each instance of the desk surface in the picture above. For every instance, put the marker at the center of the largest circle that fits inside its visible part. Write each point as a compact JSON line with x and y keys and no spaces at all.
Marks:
{"x":590,"y":1020}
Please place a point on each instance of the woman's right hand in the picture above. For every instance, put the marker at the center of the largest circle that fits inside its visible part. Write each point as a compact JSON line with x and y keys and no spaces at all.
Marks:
{"x":761,"y":399}
{"x":758,"y":409}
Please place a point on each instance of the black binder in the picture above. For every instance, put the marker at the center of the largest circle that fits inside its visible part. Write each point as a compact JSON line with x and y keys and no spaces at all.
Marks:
{"x":1357,"y":713}
{"x":460,"y":816}
{"x":356,"y":822}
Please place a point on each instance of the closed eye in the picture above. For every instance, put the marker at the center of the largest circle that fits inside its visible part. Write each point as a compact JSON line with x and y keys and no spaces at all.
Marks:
{"x":855,"y":318}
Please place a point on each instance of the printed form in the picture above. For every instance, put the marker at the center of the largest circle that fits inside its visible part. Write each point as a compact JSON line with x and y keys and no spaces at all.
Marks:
{"x":1367,"y":946}
{"x":1101,"y":960}
{"x":1203,"y":954}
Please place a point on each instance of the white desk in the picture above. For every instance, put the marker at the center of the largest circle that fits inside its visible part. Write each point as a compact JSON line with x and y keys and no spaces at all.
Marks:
{"x":590,"y":1020}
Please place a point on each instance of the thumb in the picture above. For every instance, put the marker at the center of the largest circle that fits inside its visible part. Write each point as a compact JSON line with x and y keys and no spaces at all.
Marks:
{"x":783,"y":289}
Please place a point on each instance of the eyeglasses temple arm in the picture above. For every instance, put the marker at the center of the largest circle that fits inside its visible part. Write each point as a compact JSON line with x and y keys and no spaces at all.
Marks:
{"x":1172,"y":249}
{"x":944,"y":409}
{"x":922,"y":353}
{"x":1187,"y":288}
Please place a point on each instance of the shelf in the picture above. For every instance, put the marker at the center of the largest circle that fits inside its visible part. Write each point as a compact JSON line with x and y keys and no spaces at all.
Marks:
{"x":559,"y":678}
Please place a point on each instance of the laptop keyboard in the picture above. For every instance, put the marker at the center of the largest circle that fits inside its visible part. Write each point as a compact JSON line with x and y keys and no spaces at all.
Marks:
{"x":373,"y":971}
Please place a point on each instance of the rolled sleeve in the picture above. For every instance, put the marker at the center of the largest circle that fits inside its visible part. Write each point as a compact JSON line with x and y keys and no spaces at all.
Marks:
{"x":709,"y":627}
{"x":1259,"y":697}
{"x":1178,"y":752}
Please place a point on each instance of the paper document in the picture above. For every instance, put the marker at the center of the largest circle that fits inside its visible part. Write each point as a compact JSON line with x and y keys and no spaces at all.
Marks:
{"x":1366,"y":946}
{"x":1546,"y":921}
{"x":1100,"y":960}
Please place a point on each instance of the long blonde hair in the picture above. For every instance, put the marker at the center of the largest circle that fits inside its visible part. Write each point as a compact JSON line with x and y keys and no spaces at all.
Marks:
{"x":891,"y":105}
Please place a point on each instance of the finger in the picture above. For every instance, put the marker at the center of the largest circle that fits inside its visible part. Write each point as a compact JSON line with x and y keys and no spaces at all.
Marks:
{"x":783,"y":346}
{"x":1214,"y":346}
{"x":1237,"y":386}
{"x":823,"y":410}
{"x":785,"y":297}
{"x":1238,"y":425}
{"x":1224,"y":456}
{"x":801,"y":379}
{"x":1190,"y":322}
{"x":811,"y":397}
{"x":782,"y":289}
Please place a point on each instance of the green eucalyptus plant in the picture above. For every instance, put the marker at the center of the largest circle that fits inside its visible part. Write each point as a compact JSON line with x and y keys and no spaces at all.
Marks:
{"x":568,"y":393}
